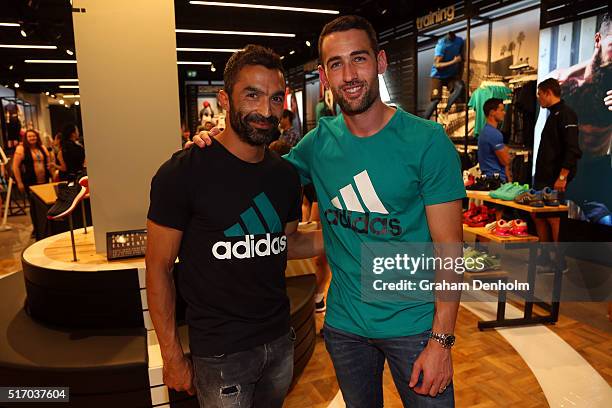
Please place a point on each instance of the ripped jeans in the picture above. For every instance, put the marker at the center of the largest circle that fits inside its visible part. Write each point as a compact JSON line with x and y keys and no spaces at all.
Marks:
{"x":259,"y":377}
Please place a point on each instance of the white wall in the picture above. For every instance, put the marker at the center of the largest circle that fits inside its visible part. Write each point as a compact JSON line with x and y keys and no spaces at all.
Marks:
{"x":126,"y":53}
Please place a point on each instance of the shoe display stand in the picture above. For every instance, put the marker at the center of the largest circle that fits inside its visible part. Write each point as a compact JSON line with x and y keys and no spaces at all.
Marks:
{"x":43,"y":197}
{"x":517,"y":243}
{"x":86,"y":325}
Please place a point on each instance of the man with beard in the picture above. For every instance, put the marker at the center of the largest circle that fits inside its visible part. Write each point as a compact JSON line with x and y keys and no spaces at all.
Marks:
{"x":381,"y":176}
{"x":233,"y":233}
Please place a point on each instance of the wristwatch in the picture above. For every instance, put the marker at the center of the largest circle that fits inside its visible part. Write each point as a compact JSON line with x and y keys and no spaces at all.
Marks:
{"x":446,"y":340}
{"x":561,"y":177}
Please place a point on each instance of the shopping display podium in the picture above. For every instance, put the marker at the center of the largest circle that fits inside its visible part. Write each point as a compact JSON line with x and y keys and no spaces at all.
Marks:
{"x":86,"y":325}
{"x":517,"y":243}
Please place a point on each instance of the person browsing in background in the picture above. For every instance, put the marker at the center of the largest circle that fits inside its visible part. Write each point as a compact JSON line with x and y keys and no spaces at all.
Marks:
{"x":71,"y":155}
{"x":233,"y":249}
{"x":289,"y":134}
{"x":557,"y":159}
{"x":493,"y":156}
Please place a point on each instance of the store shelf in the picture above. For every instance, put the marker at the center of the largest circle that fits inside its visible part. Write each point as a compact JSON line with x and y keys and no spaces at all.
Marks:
{"x":483,"y":233}
{"x":484,"y":196}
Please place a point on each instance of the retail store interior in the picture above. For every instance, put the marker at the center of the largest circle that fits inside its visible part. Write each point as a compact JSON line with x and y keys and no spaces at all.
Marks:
{"x":102,"y":101}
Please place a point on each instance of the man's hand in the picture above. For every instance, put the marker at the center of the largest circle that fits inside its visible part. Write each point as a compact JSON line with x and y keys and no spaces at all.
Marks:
{"x":178,"y":375}
{"x":437,"y":366}
{"x":608,"y":100}
{"x":203,"y":138}
{"x":21,"y":187}
{"x":560,"y":185}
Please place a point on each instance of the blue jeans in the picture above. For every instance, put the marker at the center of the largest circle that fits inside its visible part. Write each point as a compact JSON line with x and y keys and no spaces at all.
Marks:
{"x":359,"y":364}
{"x":259,"y":377}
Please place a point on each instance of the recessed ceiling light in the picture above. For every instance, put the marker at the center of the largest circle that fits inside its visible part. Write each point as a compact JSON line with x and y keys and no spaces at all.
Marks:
{"x":23,"y":33}
{"x":61,"y":101}
{"x":16,"y":84}
{"x":307,"y":43}
{"x":50,"y":80}
{"x":32,"y":46}
{"x":9,"y":24}
{"x":209,"y":49}
{"x":11,"y":67}
{"x":77,"y":103}
{"x":69,"y":86}
{"x":212,"y":68}
{"x":47,"y":93}
{"x":263,"y":6}
{"x":69,"y":51}
{"x":50,"y":61}
{"x":258,"y":33}
{"x":291,"y":52}
{"x":282,"y":57}
{"x":193,"y":62}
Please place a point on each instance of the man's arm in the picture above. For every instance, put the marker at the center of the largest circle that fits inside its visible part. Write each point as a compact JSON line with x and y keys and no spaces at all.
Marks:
{"x":439,"y":64}
{"x":163,"y":244}
{"x":503,"y":155}
{"x":435,"y":361}
{"x":303,"y":244}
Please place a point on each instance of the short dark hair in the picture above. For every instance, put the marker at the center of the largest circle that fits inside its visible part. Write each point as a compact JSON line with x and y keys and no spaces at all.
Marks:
{"x":346,"y":23}
{"x":67,"y":131}
{"x":288,"y":114}
{"x":551,"y":85}
{"x":251,"y":55}
{"x":491,"y":105}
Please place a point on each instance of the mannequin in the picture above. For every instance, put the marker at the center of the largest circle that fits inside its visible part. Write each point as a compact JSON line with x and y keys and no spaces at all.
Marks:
{"x":446,"y":70}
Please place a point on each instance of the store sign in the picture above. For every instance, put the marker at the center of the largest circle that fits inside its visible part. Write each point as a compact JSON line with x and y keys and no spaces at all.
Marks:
{"x":192,"y":74}
{"x":445,"y":15}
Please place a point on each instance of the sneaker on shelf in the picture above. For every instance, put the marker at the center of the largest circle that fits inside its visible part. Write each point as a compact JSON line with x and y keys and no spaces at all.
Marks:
{"x":490,"y":227}
{"x":550,"y":197}
{"x":504,"y":187}
{"x":493,"y":183}
{"x":518,"y":228}
{"x":68,"y":196}
{"x":502,"y":229}
{"x":511,"y":193}
{"x":480,"y":261}
{"x":320,"y":306}
{"x":470,"y":212}
{"x":532,"y":198}
{"x":480,"y":184}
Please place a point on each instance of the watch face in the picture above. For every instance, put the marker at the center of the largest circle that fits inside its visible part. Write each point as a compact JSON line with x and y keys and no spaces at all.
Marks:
{"x":449,"y":340}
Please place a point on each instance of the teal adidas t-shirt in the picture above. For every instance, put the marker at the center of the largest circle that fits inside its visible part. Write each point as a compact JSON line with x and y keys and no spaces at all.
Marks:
{"x":391,"y":175}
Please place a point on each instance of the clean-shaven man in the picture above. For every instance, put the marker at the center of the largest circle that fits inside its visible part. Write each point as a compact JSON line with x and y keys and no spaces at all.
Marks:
{"x":232,"y":233}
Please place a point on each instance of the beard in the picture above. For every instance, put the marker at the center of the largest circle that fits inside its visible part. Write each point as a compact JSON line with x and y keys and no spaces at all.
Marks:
{"x":240,"y":122}
{"x":355,"y":107}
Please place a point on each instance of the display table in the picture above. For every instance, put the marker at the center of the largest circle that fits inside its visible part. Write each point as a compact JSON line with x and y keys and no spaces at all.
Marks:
{"x":43,"y":197}
{"x":517,"y":242}
{"x":86,"y":325}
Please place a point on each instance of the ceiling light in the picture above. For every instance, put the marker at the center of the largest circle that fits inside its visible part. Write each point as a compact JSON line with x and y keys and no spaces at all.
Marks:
{"x":194,"y":62}
{"x":9,"y":24}
{"x":61,"y":101}
{"x":16,"y":85}
{"x":69,"y":86}
{"x":47,"y":93}
{"x":262,"y":34}
{"x":50,"y":80}
{"x":212,"y":68}
{"x":23,"y":33}
{"x":40,"y":47}
{"x":77,"y":103}
{"x":307,"y":43}
{"x":72,"y":96}
{"x":69,"y":51}
{"x":209,"y":49}
{"x":282,"y":57}
{"x":262,"y":6}
{"x":42,"y":61}
{"x":67,"y":106}
{"x":291,"y":52}
{"x":11,"y":67}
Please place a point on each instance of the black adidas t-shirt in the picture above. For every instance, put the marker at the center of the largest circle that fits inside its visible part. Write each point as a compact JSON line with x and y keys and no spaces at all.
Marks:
{"x":233,"y":252}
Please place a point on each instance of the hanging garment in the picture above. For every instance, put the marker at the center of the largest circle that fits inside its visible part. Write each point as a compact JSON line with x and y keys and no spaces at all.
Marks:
{"x":480,"y":96}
